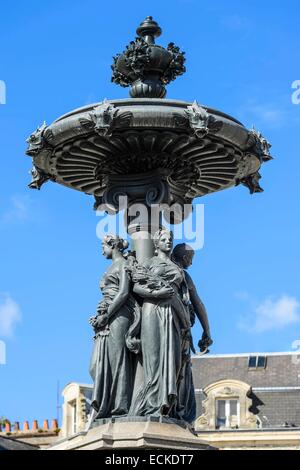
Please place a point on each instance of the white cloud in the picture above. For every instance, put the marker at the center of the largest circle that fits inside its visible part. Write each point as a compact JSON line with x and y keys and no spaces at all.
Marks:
{"x":273,"y":314}
{"x":17,"y":210}
{"x":269,"y":114}
{"x":10,"y":315}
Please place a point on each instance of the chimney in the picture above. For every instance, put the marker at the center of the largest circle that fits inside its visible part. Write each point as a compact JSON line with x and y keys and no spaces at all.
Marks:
{"x":35,"y":425}
{"x":54,"y":425}
{"x":7,"y":426}
{"x":46,"y":425}
{"x":16,"y":426}
{"x":26,"y":426}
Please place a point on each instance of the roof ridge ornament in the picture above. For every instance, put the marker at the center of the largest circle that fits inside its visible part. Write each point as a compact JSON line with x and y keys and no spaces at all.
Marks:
{"x":145,"y":66}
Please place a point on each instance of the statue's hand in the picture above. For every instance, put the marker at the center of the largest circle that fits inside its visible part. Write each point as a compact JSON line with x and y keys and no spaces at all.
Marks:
{"x":102,"y":320}
{"x":164,"y":293}
{"x":205,"y":342}
{"x":102,"y":307}
{"x":93,"y":321}
{"x":98,"y":321}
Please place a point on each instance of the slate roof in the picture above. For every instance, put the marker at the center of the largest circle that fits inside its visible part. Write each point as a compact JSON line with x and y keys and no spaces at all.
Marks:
{"x":277,"y":409}
{"x":12,"y":444}
{"x":275,"y":389}
{"x":282,"y":370}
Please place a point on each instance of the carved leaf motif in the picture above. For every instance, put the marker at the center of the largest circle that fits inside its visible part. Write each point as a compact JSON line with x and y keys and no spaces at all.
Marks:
{"x":136,"y":56}
{"x":179,"y":120}
{"x":87,"y":123}
{"x":202,"y":421}
{"x":227,"y":391}
{"x":122,"y":119}
{"x":252,"y":183}
{"x":251,"y":419}
{"x":201,"y":121}
{"x":39,"y":177}
{"x":259,"y":145}
{"x":136,"y":63}
{"x":214,"y":125}
{"x":98,"y":202}
{"x":48,"y":135}
{"x":36,"y":141}
{"x":251,"y":141}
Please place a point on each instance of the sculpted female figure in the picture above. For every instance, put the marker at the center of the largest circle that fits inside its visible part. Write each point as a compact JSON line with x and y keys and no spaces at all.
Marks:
{"x":115,"y":324}
{"x":165,"y":324}
{"x":183,"y":256}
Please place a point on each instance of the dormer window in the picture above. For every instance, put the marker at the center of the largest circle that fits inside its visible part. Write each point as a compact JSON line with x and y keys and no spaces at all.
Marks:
{"x":257,"y":362}
{"x":227,"y":406}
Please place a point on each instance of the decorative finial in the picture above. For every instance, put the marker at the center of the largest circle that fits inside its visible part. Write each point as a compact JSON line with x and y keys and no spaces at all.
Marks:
{"x":149,"y":30}
{"x":146,"y":66}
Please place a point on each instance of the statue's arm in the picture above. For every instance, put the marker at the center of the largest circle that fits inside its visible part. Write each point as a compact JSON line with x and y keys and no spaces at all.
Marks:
{"x":146,"y":292}
{"x":123,"y":293}
{"x":151,"y":287}
{"x":198,"y":305}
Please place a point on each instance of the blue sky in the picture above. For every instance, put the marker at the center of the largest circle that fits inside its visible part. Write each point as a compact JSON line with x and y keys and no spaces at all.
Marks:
{"x":242,"y":58}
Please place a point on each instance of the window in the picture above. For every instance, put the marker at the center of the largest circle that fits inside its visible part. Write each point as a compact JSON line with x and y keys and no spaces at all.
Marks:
{"x":257,"y":362}
{"x":74,"y":417}
{"x":252,"y":362}
{"x":261,"y":361}
{"x":221,"y":414}
{"x":227,"y":414}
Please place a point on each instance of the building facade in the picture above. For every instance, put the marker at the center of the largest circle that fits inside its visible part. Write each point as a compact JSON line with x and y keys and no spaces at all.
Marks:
{"x":248,"y":400}
{"x":243,"y":401}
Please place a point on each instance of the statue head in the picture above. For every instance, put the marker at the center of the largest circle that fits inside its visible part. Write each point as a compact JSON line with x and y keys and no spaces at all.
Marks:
{"x":183,"y":255}
{"x":111,"y":243}
{"x":163,"y":241}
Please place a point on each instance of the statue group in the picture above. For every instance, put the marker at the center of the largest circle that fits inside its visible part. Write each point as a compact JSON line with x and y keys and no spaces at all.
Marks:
{"x":141,"y":360}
